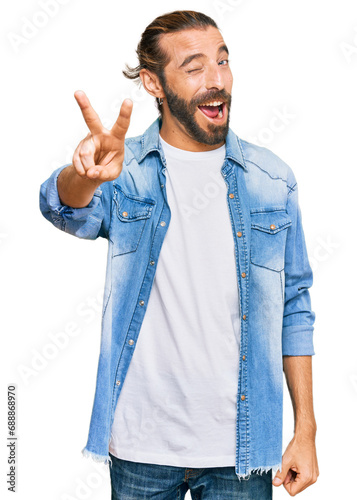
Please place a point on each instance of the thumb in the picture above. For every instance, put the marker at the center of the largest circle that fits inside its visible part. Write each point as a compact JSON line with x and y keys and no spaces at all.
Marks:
{"x":280,"y":476}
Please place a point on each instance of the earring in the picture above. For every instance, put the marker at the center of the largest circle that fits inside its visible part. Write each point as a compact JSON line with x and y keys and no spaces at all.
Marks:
{"x":161,"y":100}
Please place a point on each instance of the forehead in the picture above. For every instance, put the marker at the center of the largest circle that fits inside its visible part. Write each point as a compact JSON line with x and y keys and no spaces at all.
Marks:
{"x":191,"y":41}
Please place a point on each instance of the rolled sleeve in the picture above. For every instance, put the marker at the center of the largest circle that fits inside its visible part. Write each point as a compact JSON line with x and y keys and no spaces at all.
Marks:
{"x":298,"y":319}
{"x":88,"y":222}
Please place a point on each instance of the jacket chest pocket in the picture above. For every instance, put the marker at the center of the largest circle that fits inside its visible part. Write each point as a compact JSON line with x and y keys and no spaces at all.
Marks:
{"x":130,"y":214}
{"x":268,"y":239}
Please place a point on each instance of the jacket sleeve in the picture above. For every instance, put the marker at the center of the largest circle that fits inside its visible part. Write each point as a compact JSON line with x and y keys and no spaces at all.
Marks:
{"x":88,"y":222}
{"x":298,"y":318}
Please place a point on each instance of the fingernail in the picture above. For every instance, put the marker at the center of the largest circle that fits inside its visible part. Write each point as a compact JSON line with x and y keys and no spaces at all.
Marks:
{"x":277,"y":480}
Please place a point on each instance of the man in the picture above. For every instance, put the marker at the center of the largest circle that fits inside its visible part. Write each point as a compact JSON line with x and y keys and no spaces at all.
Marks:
{"x":207,"y":261}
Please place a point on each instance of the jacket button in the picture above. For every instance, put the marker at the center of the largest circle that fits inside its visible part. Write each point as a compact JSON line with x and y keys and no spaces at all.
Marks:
{"x":243,"y":357}
{"x":125,"y":214}
{"x":244,"y":316}
{"x":141,"y":302}
{"x":131,"y":342}
{"x":152,"y":262}
{"x":242,"y":397}
{"x":163,"y":223}
{"x":243,"y":275}
{"x":231,"y":195}
{"x":272,"y":226}
{"x":118,"y":382}
{"x":239,"y":234}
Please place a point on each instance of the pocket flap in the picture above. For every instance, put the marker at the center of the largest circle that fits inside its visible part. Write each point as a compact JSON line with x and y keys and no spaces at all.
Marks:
{"x":131,"y":207}
{"x":270,"y":222}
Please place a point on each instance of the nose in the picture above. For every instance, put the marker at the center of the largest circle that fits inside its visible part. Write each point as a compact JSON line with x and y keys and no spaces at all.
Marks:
{"x":214,"y":77}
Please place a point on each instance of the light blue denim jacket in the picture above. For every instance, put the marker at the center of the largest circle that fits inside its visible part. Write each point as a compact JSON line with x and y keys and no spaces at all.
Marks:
{"x":272,"y":268}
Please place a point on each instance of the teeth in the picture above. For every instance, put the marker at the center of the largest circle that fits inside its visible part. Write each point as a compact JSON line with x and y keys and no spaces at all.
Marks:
{"x":220,"y":114}
{"x":214,"y":103}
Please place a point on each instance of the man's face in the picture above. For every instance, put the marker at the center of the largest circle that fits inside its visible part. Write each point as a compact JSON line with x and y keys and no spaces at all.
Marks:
{"x":197,"y":84}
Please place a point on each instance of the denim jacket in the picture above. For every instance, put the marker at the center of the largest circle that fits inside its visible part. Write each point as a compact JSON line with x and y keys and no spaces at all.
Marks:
{"x":273,"y":272}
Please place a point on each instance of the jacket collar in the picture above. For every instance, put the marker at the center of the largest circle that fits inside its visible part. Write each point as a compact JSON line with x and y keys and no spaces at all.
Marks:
{"x":150,"y":142}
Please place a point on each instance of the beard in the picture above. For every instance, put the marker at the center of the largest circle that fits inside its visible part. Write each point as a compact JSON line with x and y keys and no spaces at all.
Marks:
{"x":185,"y":111}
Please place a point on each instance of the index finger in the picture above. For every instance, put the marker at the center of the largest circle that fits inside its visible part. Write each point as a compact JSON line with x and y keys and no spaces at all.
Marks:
{"x":90,"y":116}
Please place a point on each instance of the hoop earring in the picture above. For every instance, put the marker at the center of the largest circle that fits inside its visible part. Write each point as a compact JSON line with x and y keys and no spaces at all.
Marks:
{"x":161,"y":100}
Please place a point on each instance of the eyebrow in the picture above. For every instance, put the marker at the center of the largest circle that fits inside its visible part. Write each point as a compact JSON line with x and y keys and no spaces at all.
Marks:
{"x":222,"y":48}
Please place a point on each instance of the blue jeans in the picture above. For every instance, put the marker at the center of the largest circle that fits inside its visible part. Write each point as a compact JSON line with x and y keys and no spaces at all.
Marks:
{"x":141,"y":481}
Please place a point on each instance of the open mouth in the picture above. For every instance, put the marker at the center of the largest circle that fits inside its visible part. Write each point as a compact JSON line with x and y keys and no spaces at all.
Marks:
{"x":214,"y":110}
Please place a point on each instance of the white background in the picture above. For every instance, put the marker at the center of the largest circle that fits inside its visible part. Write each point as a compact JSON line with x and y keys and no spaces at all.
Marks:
{"x":297,"y":59}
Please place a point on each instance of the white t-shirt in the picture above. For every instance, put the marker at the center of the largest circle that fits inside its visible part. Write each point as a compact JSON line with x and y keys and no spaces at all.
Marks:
{"x":178,"y":402}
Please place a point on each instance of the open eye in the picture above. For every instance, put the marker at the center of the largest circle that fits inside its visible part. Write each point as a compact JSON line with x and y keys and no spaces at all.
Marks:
{"x":224,"y":62}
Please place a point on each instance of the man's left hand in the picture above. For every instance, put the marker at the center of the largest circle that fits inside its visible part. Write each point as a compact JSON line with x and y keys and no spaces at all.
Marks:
{"x":299,"y":465}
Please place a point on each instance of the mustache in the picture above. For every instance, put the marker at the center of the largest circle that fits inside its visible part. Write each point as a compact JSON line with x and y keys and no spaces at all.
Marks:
{"x":221,"y":95}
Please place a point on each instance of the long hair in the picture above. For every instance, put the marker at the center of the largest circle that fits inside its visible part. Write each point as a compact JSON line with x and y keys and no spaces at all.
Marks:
{"x":149,"y":51}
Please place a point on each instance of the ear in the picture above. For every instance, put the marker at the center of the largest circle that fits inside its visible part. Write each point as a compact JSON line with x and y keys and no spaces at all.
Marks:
{"x":151,"y":83}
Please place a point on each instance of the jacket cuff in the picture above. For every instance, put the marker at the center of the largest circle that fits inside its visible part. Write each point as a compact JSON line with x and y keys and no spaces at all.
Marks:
{"x":297,"y":340}
{"x":61,"y":211}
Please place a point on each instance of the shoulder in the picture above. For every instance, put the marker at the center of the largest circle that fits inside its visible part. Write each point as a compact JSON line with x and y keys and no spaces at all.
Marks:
{"x":133,"y":148}
{"x":262,"y":161}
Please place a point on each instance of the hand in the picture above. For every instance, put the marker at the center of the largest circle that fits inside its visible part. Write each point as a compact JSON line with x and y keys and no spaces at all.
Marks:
{"x":299,"y":465}
{"x":99,"y":156}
